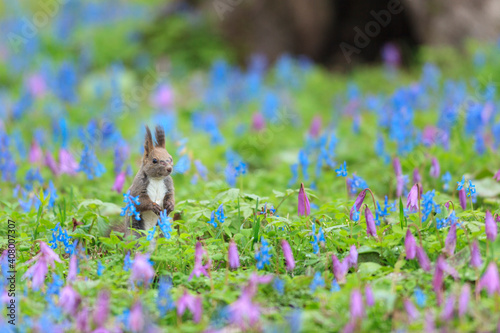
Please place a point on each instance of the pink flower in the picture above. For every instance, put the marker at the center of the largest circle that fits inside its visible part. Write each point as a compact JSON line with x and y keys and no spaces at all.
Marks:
{"x":412,"y":200}
{"x":435,"y":168}
{"x":396,"y":164}
{"x":73,"y":268}
{"x":339,"y":269}
{"x":490,"y":280}
{"x":497,"y":176}
{"x":39,"y":270}
{"x":410,"y":245}
{"x":370,"y":300}
{"x":315,"y":128}
{"x":448,"y":308}
{"x":101,"y":311}
{"x":142,"y":270}
{"x":194,"y":304}
{"x":490,"y":227}
{"x":51,"y":163}
{"x":82,"y":320}
{"x":136,"y":318}
{"x":352,"y":258}
{"x":36,"y":153}
{"x":358,"y":202}
{"x":163,"y":97}
{"x":463,"y":300}
{"x":199,"y":268}
{"x":303,"y":207}
{"x":288,"y":254}
{"x":475,"y":256}
{"x":423,"y":260}
{"x":36,"y":85}
{"x":119,"y":181}
{"x":67,"y":163}
{"x":451,"y":240}
{"x":356,"y":305}
{"x":258,"y":122}
{"x":411,"y":310}
{"x":69,"y":300}
{"x":462,"y":197}
{"x":371,"y":229}
{"x":234,"y":258}
{"x":417,"y":178}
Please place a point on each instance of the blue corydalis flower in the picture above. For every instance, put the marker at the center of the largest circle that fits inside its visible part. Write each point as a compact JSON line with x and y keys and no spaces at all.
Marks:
{"x":183,"y":165}
{"x":164,"y":302}
{"x":151,"y":234}
{"x":279,"y":285}
{"x":100,"y":268}
{"x":130,"y":207}
{"x":461,"y":184}
{"x":342,"y":170}
{"x":90,"y":164}
{"x":165,"y":223}
{"x":127,"y":262}
{"x":446,"y":180}
{"x":220,"y":213}
{"x":317,"y":282}
{"x":263,"y":256}
{"x":471,"y":189}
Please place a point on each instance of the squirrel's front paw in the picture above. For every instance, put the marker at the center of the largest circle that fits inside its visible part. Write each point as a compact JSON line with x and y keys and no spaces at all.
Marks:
{"x":169,"y":206}
{"x":156,"y":208}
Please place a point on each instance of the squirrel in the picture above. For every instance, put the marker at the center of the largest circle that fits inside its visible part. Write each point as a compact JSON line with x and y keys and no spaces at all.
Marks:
{"x":152,"y":183}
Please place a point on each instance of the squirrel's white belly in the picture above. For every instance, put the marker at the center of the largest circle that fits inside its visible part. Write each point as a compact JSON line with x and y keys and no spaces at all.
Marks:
{"x":156,"y":192}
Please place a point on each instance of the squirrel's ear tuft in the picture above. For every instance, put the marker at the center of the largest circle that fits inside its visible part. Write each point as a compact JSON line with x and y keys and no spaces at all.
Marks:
{"x":148,"y":142}
{"x":160,"y":137}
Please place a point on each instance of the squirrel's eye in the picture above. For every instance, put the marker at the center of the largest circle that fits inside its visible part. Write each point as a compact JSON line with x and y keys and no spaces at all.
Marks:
{"x":155,"y":160}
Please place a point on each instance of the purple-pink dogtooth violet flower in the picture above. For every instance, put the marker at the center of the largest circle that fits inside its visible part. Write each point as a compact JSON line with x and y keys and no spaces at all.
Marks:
{"x":315,"y":128}
{"x":199,"y":268}
{"x":423,"y":259}
{"x":410,"y":245}
{"x":490,"y":227}
{"x":101,"y":311}
{"x":352,"y":258}
{"x":69,"y":300}
{"x":411,"y":310}
{"x":35,"y":154}
{"x":233,"y":256}
{"x":339,"y":269}
{"x":303,"y":206}
{"x":67,"y":163}
{"x":191,"y":303}
{"x":288,"y":254}
{"x":475,"y":256}
{"x":371,"y":229}
{"x":462,"y":198}
{"x":417,"y":178}
{"x":142,"y":270}
{"x":119,"y":182}
{"x":46,"y":257}
{"x":258,"y":122}
{"x":463,"y":300}
{"x":490,"y":280}
{"x":357,"y":309}
{"x":497,"y":176}
{"x":412,"y":200}
{"x":451,"y":240}
{"x":435,"y":168}
{"x":136,"y":321}
{"x":358,"y":203}
{"x":396,"y":164}
{"x":370,"y":299}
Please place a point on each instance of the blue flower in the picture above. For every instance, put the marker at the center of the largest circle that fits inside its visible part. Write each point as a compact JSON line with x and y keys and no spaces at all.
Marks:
{"x":317,"y":238}
{"x":164,"y":302}
{"x":165,"y":223}
{"x":420,"y":297}
{"x":130,"y":207}
{"x":471,"y":189}
{"x":446,"y":180}
{"x":279,"y":285}
{"x":151,"y":234}
{"x":342,"y":170}
{"x":60,"y":235}
{"x":127,"y":262}
{"x":317,"y":282}
{"x":335,"y":286}
{"x":461,"y":184}
{"x":263,"y":256}
{"x":212,"y":220}
{"x":100,"y":268}
{"x":295,"y":174}
{"x":355,"y":215}
{"x":183,"y":165}
{"x":90,"y":164}
{"x":357,"y":184}
{"x":220,"y":213}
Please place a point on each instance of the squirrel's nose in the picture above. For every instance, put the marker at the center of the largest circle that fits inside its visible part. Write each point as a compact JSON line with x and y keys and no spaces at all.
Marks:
{"x":169,"y":168}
